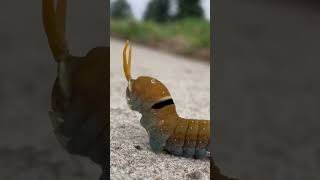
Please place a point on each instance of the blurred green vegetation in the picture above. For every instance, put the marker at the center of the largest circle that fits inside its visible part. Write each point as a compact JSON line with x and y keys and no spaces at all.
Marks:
{"x":120,"y":9}
{"x":189,"y":8}
{"x":157,"y":10}
{"x":188,"y":36}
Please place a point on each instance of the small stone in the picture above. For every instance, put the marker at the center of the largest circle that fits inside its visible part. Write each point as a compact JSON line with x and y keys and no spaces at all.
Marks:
{"x":138,"y":147}
{"x":195,"y":175}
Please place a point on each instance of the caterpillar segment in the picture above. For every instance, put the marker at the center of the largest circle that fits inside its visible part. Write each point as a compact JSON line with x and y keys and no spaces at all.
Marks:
{"x":190,"y":138}
{"x":167,"y":131}
{"x":80,"y":92}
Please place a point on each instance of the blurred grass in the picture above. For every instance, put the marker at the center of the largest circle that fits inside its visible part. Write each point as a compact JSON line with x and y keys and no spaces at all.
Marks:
{"x":190,"y":37}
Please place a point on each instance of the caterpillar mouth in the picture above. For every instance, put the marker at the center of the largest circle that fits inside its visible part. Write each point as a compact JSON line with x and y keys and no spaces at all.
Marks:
{"x":163,"y":102}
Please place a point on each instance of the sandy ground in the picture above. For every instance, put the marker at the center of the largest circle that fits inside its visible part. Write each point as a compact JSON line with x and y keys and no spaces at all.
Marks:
{"x":188,"y":81}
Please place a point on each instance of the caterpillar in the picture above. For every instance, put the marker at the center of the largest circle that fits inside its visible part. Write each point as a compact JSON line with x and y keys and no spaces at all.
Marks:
{"x":167,"y":131}
{"x":80,"y":94}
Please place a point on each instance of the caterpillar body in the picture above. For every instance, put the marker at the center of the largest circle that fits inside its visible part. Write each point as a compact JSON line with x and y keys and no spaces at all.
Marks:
{"x":167,"y":131}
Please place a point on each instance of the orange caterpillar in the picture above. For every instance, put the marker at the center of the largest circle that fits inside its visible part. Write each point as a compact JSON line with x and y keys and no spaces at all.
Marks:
{"x":80,"y":94}
{"x":167,"y":131}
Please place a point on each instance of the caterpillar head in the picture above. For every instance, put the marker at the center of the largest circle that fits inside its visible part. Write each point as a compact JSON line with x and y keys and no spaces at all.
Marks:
{"x":144,"y":92}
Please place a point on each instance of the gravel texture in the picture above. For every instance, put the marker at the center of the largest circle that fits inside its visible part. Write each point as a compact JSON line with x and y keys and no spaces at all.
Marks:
{"x":188,"y":81}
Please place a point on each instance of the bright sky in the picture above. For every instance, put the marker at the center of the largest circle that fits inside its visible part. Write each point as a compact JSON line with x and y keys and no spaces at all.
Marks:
{"x":138,"y":7}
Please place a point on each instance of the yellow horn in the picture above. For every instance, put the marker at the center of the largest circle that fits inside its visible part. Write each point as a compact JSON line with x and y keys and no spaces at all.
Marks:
{"x":126,"y":67}
{"x":54,"y":25}
{"x":129,"y":62}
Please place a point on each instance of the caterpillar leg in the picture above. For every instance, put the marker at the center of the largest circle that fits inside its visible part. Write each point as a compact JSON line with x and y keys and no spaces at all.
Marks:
{"x":156,"y":147}
{"x":176,"y":141}
{"x":157,"y":141}
{"x":175,"y":150}
{"x":188,"y":152}
{"x":200,"y":153}
{"x":191,"y":139}
{"x":203,"y":139}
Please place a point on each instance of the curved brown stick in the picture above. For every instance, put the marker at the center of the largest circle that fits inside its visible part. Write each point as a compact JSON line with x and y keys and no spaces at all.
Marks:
{"x":54,"y":25}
